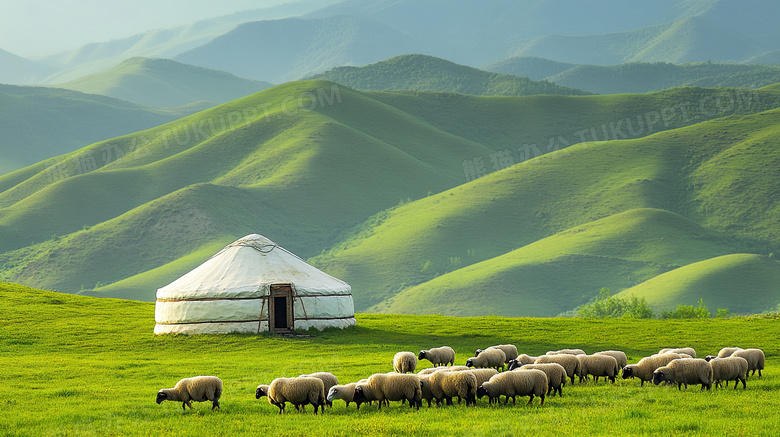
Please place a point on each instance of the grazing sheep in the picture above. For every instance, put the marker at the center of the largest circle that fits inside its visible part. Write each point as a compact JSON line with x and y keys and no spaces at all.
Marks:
{"x":532,"y":382}
{"x":567,"y":352}
{"x":569,"y":362}
{"x":344,"y":392}
{"x":430,"y":370}
{"x":483,"y":375}
{"x":297,"y":391}
{"x":444,"y":356}
{"x":729,"y":369}
{"x":685,"y":371}
{"x":390,"y":387}
{"x":680,"y":350}
{"x":754,"y":357}
{"x":195,"y":389}
{"x":510,"y":351}
{"x":425,"y":389}
{"x":521,"y":360}
{"x":490,"y":357}
{"x":446,"y":385}
{"x":556,"y":376}
{"x":728,"y":351}
{"x":598,"y":365}
{"x":620,"y":356}
{"x":328,"y":379}
{"x":404,"y":362}
{"x":646,"y":366}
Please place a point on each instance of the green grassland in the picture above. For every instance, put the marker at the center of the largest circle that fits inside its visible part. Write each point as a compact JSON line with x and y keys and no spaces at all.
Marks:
{"x":371,"y":187}
{"x":163,"y":82}
{"x":83,"y":366}
{"x":428,"y":73}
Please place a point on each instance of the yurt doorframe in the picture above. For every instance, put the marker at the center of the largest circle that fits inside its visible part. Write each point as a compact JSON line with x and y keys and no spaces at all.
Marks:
{"x":280,"y":308}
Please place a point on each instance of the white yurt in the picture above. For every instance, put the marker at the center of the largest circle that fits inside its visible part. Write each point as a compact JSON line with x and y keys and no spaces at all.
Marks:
{"x":253,"y":285}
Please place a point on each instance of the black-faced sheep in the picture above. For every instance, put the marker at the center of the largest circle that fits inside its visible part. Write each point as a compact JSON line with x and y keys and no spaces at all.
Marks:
{"x":569,"y":362}
{"x":620,"y":356}
{"x":390,"y":387}
{"x":520,"y":361}
{"x":438,"y":356}
{"x":755,"y":359}
{"x":679,"y":350}
{"x":529,"y":383}
{"x":446,"y":385}
{"x":556,"y":376}
{"x":404,"y":362}
{"x":646,"y":366}
{"x":509,"y":350}
{"x":344,"y":392}
{"x":598,"y":365}
{"x":685,"y":371}
{"x":297,"y":391}
{"x":195,"y":389}
{"x":729,"y":369}
{"x":493,"y":358}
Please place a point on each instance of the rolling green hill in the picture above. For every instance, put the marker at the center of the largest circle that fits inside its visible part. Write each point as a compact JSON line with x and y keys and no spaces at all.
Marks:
{"x":163,"y":82}
{"x":532,"y":67}
{"x":741,"y":283}
{"x":719,"y":174}
{"x":427,"y":73}
{"x":39,"y":123}
{"x":313,"y":164}
{"x":19,"y":70}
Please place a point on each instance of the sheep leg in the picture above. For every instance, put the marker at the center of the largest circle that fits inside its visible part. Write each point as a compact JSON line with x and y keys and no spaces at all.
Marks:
{"x":542,"y":396}
{"x":184,"y":406}
{"x":736,"y":383}
{"x":530,"y":399}
{"x":214,"y":404}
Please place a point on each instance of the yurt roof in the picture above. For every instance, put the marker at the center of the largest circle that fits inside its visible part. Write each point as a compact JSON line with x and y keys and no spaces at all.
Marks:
{"x":246,"y":268}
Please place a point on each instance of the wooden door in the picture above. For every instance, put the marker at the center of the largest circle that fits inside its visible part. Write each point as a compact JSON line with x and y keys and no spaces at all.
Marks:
{"x":280,"y":308}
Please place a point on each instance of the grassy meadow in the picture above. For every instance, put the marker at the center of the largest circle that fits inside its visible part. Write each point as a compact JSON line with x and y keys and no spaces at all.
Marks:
{"x":84,"y":366}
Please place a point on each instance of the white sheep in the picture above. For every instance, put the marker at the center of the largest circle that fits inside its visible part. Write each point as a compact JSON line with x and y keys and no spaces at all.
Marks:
{"x":509,"y":350}
{"x":390,"y":387}
{"x":556,"y":376}
{"x":426,"y":394}
{"x":685,"y":371}
{"x":598,"y":365}
{"x":646,"y":366}
{"x":755,"y":359}
{"x":444,"y":356}
{"x":729,"y":369}
{"x":569,"y":362}
{"x":490,"y":357}
{"x":483,"y":375}
{"x":404,"y":362}
{"x":344,"y":392}
{"x":430,"y":370}
{"x":728,"y":351}
{"x":620,"y":356}
{"x":520,"y":360}
{"x":195,"y":389}
{"x":328,"y":379}
{"x":297,"y":391}
{"x":530,"y":383}
{"x":679,"y":350}
{"x":446,"y":385}
{"x":567,"y":352}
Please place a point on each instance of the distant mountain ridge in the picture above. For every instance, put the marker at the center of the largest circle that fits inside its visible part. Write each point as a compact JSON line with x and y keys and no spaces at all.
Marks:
{"x":427,"y":73}
{"x":163,"y":83}
{"x":294,"y":41}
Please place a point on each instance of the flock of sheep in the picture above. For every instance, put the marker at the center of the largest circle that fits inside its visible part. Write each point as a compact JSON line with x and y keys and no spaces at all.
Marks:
{"x":484,"y":375}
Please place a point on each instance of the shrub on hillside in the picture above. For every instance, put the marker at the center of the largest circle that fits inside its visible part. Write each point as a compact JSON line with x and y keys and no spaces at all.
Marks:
{"x":606,"y":305}
{"x":688,"y":312}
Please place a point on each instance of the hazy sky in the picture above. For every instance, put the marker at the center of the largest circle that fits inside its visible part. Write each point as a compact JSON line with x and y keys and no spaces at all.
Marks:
{"x":39,"y":27}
